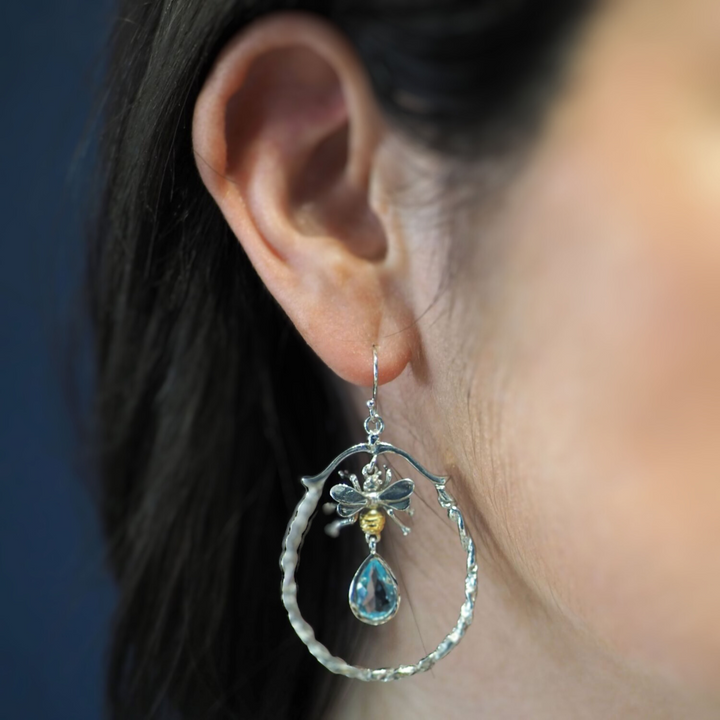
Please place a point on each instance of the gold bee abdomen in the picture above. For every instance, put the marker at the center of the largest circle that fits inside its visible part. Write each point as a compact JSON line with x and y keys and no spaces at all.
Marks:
{"x":372,"y":522}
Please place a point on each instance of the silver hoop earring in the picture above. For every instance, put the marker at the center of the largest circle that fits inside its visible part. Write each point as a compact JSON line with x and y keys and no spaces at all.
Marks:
{"x":373,"y":594}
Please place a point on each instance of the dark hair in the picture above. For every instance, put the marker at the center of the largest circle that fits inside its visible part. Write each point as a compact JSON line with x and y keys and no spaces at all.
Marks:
{"x":208,"y":406}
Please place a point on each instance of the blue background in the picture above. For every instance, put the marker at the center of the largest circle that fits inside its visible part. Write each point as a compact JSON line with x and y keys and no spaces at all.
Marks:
{"x":55,"y":597}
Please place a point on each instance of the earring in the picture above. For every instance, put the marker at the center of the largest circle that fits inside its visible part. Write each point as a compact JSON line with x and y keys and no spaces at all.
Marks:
{"x":373,"y":594}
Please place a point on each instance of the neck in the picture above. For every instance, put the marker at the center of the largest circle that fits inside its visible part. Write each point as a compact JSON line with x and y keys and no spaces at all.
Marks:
{"x":519,"y":658}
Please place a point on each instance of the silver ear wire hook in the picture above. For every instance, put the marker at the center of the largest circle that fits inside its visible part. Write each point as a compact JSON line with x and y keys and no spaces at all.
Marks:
{"x":375,"y":374}
{"x":374,"y":424}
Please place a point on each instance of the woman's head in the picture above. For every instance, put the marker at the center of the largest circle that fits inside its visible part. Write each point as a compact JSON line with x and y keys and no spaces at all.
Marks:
{"x":518,"y":205}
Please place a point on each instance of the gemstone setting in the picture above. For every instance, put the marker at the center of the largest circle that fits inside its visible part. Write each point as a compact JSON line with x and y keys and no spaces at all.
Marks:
{"x":374,"y":596}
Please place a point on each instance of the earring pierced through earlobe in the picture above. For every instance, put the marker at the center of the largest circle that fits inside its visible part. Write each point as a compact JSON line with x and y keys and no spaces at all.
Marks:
{"x":373,"y":594}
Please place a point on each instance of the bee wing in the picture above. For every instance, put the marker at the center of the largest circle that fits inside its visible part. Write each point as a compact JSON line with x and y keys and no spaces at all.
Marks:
{"x":397,"y":495}
{"x":347,"y":511}
{"x":348,"y":499}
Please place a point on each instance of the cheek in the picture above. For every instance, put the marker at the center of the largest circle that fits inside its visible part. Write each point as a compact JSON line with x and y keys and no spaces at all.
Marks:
{"x":610,"y":350}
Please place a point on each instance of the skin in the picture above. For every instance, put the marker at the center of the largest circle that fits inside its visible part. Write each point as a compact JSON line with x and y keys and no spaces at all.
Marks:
{"x":567,"y":378}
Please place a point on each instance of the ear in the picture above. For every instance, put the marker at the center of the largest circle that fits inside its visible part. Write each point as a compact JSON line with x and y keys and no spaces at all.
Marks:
{"x":286,"y":133}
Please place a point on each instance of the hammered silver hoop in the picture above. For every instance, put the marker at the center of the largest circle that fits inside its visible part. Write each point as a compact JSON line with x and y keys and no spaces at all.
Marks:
{"x":300,"y":523}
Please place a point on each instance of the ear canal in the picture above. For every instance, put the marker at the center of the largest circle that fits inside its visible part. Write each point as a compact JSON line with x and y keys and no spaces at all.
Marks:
{"x":323,"y":169}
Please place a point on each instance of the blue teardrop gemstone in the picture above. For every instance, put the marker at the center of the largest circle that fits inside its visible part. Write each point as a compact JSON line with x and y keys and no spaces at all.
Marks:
{"x":374,"y":596}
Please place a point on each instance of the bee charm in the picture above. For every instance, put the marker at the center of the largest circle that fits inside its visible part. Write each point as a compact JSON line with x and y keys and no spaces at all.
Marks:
{"x":377,"y":494}
{"x":373,"y":596}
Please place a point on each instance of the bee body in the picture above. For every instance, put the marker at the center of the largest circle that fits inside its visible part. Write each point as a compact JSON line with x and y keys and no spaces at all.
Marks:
{"x":372,"y":522}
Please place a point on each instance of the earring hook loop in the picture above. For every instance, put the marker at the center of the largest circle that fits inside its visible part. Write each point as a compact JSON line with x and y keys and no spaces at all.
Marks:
{"x":374,"y":424}
{"x":375,"y":374}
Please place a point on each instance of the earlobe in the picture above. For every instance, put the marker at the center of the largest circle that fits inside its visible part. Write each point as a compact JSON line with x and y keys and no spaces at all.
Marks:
{"x":285,"y":134}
